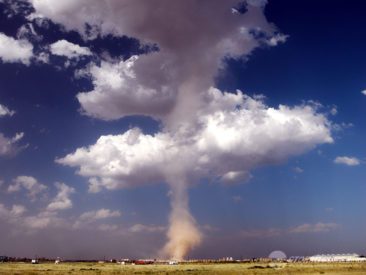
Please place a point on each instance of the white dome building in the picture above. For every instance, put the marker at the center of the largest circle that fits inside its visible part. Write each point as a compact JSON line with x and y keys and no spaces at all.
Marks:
{"x":277,"y":255}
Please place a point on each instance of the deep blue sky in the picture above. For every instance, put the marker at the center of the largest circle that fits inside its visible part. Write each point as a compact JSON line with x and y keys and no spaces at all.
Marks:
{"x":323,"y":60}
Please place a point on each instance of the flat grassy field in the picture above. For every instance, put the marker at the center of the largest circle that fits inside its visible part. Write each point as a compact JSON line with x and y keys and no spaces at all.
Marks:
{"x":240,"y":268}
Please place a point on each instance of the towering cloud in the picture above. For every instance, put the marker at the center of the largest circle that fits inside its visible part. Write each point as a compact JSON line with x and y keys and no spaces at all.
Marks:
{"x":193,"y":36}
{"x":232,"y":134}
{"x":206,"y":133}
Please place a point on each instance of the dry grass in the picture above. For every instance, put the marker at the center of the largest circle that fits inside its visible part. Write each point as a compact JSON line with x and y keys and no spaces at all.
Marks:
{"x":193,"y":269}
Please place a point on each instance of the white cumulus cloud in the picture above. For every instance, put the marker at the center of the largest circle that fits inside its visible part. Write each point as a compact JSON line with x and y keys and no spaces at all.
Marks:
{"x":350,"y":161}
{"x":12,"y":214}
{"x":226,"y":143}
{"x":62,"y":200}
{"x":4,"y":111}
{"x":299,"y":170}
{"x":29,"y":183}
{"x":118,"y":93}
{"x":8,"y":146}
{"x":68,"y":49}
{"x":276,"y":39}
{"x":35,"y":222}
{"x":12,"y":50}
{"x":363,"y":92}
{"x":18,"y":210}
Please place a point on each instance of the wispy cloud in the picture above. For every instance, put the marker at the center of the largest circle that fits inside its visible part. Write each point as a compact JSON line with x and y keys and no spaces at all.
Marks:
{"x":333,"y":111}
{"x":260,"y":234}
{"x":100,"y":214}
{"x":237,"y":198}
{"x":209,"y":228}
{"x":319,"y":227}
{"x":314,"y":228}
{"x":137,"y":228}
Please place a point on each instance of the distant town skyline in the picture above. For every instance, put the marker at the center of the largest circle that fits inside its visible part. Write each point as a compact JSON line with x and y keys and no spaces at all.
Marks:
{"x":182,"y":129}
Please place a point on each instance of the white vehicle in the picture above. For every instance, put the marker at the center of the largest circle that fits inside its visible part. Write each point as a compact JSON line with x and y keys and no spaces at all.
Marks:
{"x":34,"y":261}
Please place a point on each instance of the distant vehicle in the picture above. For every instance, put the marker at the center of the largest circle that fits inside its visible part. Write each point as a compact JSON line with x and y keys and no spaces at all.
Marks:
{"x":58,"y":260}
{"x":173,"y":262}
{"x":35,"y":261}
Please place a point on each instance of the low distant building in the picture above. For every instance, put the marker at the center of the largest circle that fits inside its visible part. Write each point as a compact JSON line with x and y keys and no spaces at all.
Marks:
{"x":337,"y":258}
{"x":295,"y":259}
{"x":226,"y":259}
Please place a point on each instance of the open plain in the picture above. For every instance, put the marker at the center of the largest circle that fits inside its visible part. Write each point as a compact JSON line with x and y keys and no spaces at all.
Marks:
{"x":235,"y":268}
